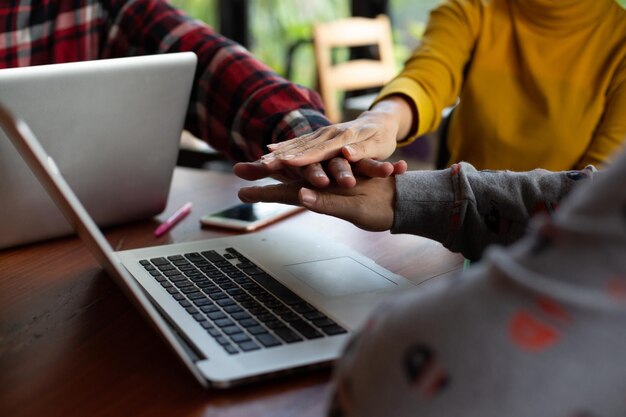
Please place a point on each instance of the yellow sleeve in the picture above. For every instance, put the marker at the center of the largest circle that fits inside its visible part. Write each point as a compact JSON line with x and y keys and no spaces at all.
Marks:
{"x":610,"y":135}
{"x":432,"y":78}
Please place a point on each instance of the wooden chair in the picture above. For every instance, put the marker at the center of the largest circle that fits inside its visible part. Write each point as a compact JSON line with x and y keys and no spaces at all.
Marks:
{"x":353,"y":74}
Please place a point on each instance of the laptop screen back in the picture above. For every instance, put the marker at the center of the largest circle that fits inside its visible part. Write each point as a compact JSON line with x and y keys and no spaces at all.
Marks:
{"x":113,"y":127}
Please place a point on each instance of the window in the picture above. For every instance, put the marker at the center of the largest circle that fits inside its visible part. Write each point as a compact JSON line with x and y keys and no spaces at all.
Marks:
{"x":409,"y":19}
{"x":205,"y":10}
{"x":278,"y":25}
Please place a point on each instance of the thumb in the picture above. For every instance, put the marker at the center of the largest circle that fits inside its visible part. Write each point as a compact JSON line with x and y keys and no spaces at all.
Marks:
{"x":374,"y":147}
{"x":327,"y":203}
{"x":372,"y":215}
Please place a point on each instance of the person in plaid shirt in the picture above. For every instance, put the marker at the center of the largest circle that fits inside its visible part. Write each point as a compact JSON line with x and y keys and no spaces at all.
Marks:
{"x":237,"y":104}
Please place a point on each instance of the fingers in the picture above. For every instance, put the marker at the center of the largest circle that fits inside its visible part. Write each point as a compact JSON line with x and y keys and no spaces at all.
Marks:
{"x":400,"y":167}
{"x":331,"y":204}
{"x":274,"y":146}
{"x":338,"y":169}
{"x":377,"y":169}
{"x":288,"y":151}
{"x":369,"y":205}
{"x":323,"y":144}
{"x":373,"y":146}
{"x":372,"y":168}
{"x":315,"y":175}
{"x":303,"y":154}
{"x":344,"y":206}
{"x":371,"y":135}
{"x":252,"y":171}
{"x":341,"y":171}
{"x":278,"y":193}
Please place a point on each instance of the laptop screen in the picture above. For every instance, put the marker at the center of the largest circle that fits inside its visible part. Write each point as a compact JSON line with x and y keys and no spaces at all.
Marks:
{"x":113,"y":127}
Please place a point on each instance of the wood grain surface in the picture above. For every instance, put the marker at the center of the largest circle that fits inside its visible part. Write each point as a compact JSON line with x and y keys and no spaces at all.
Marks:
{"x":72,"y":345}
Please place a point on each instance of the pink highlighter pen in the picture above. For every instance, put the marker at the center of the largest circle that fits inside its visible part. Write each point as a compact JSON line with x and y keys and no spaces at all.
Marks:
{"x":173,"y":219}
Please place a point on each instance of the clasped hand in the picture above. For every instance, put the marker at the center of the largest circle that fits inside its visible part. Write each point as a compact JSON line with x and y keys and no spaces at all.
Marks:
{"x":333,"y":171}
{"x":336,"y":152}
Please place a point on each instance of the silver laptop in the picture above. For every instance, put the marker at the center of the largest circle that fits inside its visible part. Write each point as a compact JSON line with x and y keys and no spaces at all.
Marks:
{"x":234,"y":309}
{"x":113,"y":127}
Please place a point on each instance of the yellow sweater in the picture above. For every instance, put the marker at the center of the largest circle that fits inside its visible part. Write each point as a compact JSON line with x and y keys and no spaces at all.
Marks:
{"x":542,"y":83}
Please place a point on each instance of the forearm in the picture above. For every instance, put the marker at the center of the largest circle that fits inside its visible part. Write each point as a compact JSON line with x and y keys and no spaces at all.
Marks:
{"x":237,"y":104}
{"x":432,"y":78}
{"x":467,"y":210}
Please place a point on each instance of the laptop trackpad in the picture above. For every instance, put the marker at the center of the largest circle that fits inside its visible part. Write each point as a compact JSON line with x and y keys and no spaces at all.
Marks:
{"x":339,"y":276}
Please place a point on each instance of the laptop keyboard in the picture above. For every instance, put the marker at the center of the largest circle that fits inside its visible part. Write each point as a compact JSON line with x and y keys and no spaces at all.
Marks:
{"x":241,"y":306}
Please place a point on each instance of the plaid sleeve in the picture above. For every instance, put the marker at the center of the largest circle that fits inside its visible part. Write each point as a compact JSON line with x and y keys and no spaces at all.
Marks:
{"x":238,"y":104}
{"x":52,"y":31}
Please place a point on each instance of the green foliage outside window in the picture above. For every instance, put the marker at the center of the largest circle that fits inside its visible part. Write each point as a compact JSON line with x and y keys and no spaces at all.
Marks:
{"x":205,"y":10}
{"x":409,"y":21}
{"x":276,"y":25}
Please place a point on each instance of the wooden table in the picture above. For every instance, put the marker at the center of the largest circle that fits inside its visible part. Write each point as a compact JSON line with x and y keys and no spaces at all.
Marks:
{"x":72,"y":344}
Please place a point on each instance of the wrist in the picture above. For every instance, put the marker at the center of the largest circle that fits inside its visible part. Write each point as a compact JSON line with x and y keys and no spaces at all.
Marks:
{"x":397,"y":111}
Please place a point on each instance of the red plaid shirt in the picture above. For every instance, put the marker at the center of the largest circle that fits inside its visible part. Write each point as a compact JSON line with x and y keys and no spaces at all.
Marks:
{"x":238,"y":104}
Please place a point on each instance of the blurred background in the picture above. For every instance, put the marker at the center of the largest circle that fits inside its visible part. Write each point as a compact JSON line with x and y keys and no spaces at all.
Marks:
{"x":279,"y":33}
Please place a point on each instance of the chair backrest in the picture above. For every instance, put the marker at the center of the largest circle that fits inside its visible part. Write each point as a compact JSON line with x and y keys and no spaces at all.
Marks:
{"x":355,"y":74}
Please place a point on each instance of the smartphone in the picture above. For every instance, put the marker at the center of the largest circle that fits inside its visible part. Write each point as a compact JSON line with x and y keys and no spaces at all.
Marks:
{"x":249,"y":216}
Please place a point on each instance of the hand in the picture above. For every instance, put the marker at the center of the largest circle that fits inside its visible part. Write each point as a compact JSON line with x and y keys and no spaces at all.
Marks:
{"x":368,"y":205}
{"x":339,"y":169}
{"x":373,"y":134}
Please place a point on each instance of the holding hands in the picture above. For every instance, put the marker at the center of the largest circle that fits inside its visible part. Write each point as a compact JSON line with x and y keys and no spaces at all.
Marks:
{"x":372,"y":135}
{"x":320,"y":174}
{"x":361,"y":189}
{"x":350,"y":148}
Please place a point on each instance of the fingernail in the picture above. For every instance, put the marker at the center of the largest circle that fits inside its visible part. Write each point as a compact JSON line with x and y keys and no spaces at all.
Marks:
{"x":350,"y":150}
{"x":308,"y":197}
{"x":345,"y":174}
{"x":272,"y":146}
{"x":287,"y":157}
{"x":243,"y":197}
{"x":267,"y":158}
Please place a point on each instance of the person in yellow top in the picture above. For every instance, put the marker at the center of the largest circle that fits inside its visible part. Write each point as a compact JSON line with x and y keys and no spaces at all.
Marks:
{"x":542,"y":84}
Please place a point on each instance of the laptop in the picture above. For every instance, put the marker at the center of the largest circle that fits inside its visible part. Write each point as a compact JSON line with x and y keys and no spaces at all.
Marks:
{"x":117,"y":159}
{"x":239,"y":308}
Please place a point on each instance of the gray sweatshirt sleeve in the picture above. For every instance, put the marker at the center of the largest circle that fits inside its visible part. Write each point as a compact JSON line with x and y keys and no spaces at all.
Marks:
{"x":535,"y":329}
{"x":467,"y":210}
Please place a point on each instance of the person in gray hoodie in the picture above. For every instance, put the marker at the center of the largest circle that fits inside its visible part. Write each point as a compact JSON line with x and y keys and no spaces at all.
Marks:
{"x":534,"y":327}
